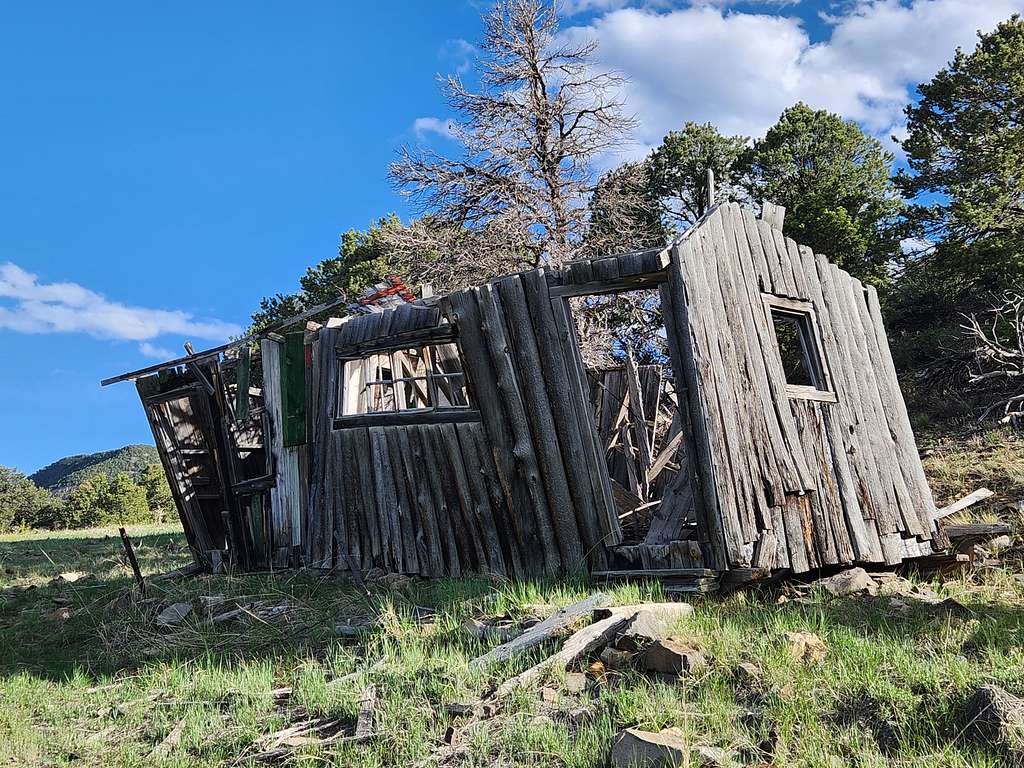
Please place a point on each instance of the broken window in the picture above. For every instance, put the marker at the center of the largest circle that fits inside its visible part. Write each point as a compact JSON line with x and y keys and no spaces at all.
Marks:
{"x":796,"y":336}
{"x":427,"y":378}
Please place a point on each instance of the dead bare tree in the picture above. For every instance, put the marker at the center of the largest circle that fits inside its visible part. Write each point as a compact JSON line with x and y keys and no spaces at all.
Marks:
{"x":997,"y":336}
{"x":528,"y":138}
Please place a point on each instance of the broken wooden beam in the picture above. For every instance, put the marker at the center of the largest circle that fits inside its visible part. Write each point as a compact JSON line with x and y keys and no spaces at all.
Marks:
{"x":132,"y":560}
{"x":654,"y":573}
{"x":364,"y":721}
{"x":188,"y":571}
{"x":581,"y":643}
{"x":537,"y":634}
{"x":976,"y":530}
{"x":958,"y":506}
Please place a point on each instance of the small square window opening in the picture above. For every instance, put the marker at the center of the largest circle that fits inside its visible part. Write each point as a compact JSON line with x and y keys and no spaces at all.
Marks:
{"x":796,"y":337}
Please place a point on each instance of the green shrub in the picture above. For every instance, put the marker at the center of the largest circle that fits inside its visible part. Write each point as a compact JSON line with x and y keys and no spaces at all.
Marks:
{"x":23,"y":504}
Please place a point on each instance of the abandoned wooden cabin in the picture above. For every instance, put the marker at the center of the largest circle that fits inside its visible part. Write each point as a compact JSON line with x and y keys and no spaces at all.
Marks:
{"x":464,"y":433}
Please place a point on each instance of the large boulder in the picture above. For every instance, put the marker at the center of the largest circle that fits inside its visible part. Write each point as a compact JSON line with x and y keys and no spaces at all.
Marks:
{"x":635,"y":748}
{"x":645,"y":629}
{"x":173,"y":615}
{"x":673,"y":656}
{"x":806,"y":647}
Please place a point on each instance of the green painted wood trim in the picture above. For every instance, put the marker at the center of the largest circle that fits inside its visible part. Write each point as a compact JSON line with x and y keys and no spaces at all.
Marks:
{"x":293,"y":389}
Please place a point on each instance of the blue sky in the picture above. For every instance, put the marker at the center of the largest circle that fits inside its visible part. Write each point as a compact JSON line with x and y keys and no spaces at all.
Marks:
{"x":162,"y":169}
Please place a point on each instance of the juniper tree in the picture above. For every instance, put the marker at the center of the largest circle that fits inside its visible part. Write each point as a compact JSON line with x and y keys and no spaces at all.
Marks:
{"x":835,"y":184}
{"x":965,"y":151}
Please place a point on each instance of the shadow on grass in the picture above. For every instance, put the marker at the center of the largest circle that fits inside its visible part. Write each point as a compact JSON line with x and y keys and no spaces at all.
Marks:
{"x":96,"y":627}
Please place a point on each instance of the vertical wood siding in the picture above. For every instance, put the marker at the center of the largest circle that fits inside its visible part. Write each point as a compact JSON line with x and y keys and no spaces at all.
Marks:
{"x":519,"y":485}
{"x":792,"y":483}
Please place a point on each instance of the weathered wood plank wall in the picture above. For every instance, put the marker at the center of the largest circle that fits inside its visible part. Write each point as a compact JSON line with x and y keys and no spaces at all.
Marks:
{"x":288,"y":493}
{"x":792,"y":482}
{"x":514,"y":488}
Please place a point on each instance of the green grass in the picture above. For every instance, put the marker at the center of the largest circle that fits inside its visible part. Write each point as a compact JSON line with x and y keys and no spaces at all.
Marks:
{"x":86,"y":677}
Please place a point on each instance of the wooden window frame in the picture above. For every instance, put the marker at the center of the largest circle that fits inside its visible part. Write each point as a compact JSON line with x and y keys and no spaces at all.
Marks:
{"x":433,"y":414}
{"x":810,"y":346}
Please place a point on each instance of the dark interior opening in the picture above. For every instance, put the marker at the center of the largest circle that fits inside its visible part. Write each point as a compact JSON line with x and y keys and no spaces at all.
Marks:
{"x":634,"y":396}
{"x":792,"y":349}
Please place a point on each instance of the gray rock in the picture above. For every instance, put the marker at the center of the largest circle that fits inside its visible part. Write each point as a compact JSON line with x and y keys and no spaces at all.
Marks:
{"x":173,"y":615}
{"x":645,"y":628}
{"x":848,"y":582}
{"x":549,"y":695}
{"x":579,"y":716}
{"x":673,"y":657}
{"x":999,"y":543}
{"x":351,"y":631}
{"x":635,"y":748}
{"x":575,"y":682}
{"x":993,"y":715}
{"x":747,"y":672}
{"x":715,"y":757}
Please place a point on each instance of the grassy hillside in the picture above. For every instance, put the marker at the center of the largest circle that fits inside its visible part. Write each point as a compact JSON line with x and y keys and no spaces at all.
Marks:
{"x":65,"y":475}
{"x":89,"y":677}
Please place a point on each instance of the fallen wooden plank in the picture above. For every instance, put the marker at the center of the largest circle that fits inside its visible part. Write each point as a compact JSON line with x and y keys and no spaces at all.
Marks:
{"x":976,"y":530}
{"x":609,"y":622}
{"x":579,"y":644}
{"x":179,"y":573}
{"x":668,"y":612}
{"x":654,"y":573}
{"x":537,"y":634}
{"x":691,"y":586}
{"x":957,"y":506}
{"x":173,"y":738}
{"x":364,"y":722}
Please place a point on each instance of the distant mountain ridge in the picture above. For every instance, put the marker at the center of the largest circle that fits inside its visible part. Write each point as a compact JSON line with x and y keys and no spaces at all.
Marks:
{"x":63,"y":476}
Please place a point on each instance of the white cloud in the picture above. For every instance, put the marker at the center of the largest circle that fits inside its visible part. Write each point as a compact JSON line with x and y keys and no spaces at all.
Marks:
{"x":570,"y":8}
{"x":740,"y":70}
{"x":38,"y":307}
{"x":576,"y":7}
{"x":424,"y":127}
{"x":156,"y":352}
{"x":459,"y":53}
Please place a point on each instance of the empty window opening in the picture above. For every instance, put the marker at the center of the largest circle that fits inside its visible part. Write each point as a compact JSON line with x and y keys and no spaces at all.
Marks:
{"x":789,"y":333}
{"x":796,"y":337}
{"x":427,"y":378}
